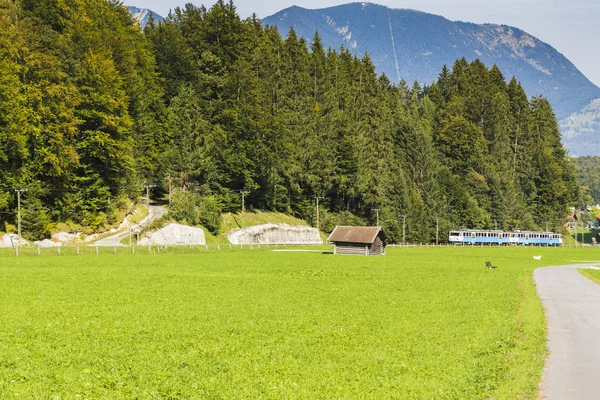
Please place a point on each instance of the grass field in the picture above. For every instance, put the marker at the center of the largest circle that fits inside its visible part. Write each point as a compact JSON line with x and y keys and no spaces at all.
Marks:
{"x":592,"y":274}
{"x":419,"y":323}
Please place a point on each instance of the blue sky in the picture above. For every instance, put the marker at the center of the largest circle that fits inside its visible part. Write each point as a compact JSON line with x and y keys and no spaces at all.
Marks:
{"x":572,"y":27}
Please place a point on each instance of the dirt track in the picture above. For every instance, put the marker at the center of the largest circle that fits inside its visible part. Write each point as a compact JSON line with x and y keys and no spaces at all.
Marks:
{"x":154,"y":213}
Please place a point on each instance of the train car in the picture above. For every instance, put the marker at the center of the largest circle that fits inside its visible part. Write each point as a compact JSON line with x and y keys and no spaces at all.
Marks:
{"x":497,"y":237}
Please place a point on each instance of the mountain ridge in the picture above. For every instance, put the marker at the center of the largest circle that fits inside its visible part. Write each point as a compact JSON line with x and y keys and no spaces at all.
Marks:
{"x":414,"y":45}
{"x":141,"y":15}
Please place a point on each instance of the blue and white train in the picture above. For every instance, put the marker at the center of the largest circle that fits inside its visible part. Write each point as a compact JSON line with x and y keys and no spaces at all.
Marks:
{"x":479,"y":237}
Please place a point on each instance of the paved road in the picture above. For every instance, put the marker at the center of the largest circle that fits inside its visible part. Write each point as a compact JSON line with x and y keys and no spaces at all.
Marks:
{"x":155,"y":212}
{"x":572,"y":306}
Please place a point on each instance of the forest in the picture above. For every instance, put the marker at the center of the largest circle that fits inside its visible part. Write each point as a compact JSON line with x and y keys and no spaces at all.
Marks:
{"x":208,"y":105}
{"x":587,"y":173}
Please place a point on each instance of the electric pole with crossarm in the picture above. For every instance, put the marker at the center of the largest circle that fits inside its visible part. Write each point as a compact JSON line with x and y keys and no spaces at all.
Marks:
{"x":318,"y":198}
{"x":148,"y":187}
{"x":377,"y":211}
{"x":19,"y":192}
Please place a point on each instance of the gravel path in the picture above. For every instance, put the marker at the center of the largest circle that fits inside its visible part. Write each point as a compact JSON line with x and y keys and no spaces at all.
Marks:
{"x":572,"y":306}
{"x":155,"y":212}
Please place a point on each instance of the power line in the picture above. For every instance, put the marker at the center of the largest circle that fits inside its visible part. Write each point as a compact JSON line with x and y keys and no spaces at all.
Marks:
{"x":70,"y":189}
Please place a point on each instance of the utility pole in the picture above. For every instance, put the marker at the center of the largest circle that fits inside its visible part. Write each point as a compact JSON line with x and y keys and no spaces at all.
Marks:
{"x":318,"y":198}
{"x":243,"y":193}
{"x":148,"y":186}
{"x":495,"y":225}
{"x":403,"y":228}
{"x":19,"y":192}
{"x":377,"y":211}
{"x":437,"y":229}
{"x":546,"y":226}
{"x":170,"y":188}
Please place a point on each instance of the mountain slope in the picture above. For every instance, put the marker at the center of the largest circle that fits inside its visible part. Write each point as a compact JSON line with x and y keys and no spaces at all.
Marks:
{"x":141,"y":15}
{"x":412,"y":45}
{"x":581,"y":131}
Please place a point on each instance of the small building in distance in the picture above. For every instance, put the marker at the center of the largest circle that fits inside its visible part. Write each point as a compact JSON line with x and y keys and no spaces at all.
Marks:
{"x":358,"y":240}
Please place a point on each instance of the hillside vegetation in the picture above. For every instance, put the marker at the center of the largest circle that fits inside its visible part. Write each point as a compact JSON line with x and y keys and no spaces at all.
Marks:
{"x":213,"y":105}
{"x":587,"y":173}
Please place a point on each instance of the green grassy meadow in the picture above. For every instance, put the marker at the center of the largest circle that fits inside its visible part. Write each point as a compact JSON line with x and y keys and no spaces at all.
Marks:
{"x":592,"y":274}
{"x":418,"y":323}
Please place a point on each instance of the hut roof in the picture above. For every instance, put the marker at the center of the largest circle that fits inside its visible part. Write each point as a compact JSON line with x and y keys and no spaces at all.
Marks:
{"x":356,"y":234}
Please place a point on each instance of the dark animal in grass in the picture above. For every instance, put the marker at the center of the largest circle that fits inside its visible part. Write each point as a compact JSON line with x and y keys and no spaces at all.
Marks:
{"x":489,"y":265}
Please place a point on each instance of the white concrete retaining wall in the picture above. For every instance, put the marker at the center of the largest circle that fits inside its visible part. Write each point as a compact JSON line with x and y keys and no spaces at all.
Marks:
{"x":175,"y":234}
{"x":275,"y":234}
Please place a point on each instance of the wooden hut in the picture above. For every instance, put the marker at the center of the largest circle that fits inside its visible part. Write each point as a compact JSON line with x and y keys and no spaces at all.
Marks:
{"x":358,"y":240}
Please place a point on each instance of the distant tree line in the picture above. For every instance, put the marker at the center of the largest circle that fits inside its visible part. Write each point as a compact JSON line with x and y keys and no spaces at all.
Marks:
{"x":91,"y":108}
{"x":587,"y":173}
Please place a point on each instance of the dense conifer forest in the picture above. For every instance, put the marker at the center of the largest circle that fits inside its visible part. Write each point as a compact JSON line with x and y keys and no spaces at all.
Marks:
{"x":208,"y":105}
{"x":587,"y":173}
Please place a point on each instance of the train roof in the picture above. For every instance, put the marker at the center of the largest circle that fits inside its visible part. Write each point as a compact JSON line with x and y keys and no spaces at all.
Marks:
{"x":499,"y":231}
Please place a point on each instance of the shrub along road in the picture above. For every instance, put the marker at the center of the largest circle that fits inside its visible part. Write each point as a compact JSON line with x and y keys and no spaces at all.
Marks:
{"x":572,"y":306}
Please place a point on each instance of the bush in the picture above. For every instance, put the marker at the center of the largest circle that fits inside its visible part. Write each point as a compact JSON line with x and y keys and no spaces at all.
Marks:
{"x":184,"y":207}
{"x":10,"y":228}
{"x":329,"y":220}
{"x":35,"y":221}
{"x":192,"y":209}
{"x":68,"y":226}
{"x":209,"y":211}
